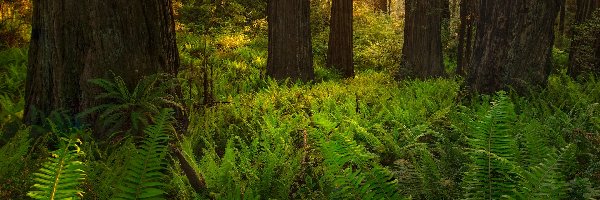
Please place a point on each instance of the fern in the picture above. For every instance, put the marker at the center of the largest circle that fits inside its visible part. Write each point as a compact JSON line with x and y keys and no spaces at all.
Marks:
{"x":500,"y":170}
{"x":493,"y":147}
{"x":354,"y":172}
{"x":144,"y":177}
{"x":131,"y":111}
{"x":13,"y":67}
{"x":544,"y":180}
{"x":59,"y":177}
{"x":13,"y":153}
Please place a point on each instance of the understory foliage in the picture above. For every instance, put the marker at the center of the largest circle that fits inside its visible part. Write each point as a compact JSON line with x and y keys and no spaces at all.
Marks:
{"x":143,"y":178}
{"x":15,"y":27}
{"x":13,"y":67}
{"x":131,"y":111}
{"x":60,"y":176}
{"x":369,"y":137}
{"x":507,"y":162}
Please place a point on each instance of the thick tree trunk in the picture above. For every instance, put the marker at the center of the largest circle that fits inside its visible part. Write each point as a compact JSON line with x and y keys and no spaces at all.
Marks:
{"x":446,"y":13}
{"x":382,"y":6}
{"x":513,"y":47}
{"x":422,"y":50}
{"x":582,"y":58}
{"x":585,"y":8}
{"x":290,"y":48}
{"x":75,"y":41}
{"x":562,"y":18}
{"x":468,"y":16}
{"x":339,"y":54}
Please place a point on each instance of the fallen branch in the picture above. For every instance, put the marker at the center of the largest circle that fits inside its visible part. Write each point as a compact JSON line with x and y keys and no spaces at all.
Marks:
{"x":196,"y":180}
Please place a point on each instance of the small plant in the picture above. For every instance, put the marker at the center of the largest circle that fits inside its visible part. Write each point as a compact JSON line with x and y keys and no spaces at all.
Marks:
{"x":59,"y":177}
{"x":493,"y":149}
{"x":144,"y":177}
{"x":500,"y":169}
{"x":354,"y":172}
{"x":131,"y":111}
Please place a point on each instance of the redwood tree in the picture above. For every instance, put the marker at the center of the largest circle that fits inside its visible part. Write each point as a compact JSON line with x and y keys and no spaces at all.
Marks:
{"x":513,"y":47}
{"x":585,"y":8}
{"x":382,"y":6}
{"x":422,"y":50}
{"x":339,"y":54}
{"x":75,"y":41}
{"x":585,"y":45}
{"x":466,"y":29}
{"x":290,"y":48}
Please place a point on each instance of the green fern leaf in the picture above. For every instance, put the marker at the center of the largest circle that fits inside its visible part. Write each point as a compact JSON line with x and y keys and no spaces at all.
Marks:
{"x":491,"y":174}
{"x":59,"y":177}
{"x":145,"y":172}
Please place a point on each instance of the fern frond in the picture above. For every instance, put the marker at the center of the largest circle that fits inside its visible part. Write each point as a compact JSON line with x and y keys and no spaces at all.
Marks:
{"x":376,"y":183}
{"x":544,"y":180}
{"x":145,"y":171}
{"x":13,"y":152}
{"x":354,"y":173}
{"x":59,"y":177}
{"x":131,"y":109}
{"x":494,"y":149}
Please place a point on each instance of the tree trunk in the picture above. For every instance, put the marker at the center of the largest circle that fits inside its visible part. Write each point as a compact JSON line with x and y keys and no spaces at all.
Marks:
{"x":562,"y":18}
{"x":468,"y":16}
{"x":585,"y":8}
{"x":339,"y":54}
{"x":513,"y":47}
{"x":446,"y":13}
{"x":382,"y":6}
{"x":582,"y":56}
{"x":290,"y":48}
{"x":73,"y":42}
{"x":422,"y":50}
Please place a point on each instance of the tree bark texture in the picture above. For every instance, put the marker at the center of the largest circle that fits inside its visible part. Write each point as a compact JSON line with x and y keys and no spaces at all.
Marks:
{"x":562,"y":17}
{"x":290,"y":48}
{"x":339,"y":53}
{"x":513,"y":47}
{"x":584,"y":46}
{"x":422,"y":50}
{"x":75,"y":41}
{"x":446,"y":13}
{"x":585,"y":8}
{"x":382,"y":6}
{"x":468,"y":18}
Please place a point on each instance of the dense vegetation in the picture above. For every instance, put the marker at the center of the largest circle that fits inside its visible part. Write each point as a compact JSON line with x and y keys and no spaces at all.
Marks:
{"x":247,"y":136}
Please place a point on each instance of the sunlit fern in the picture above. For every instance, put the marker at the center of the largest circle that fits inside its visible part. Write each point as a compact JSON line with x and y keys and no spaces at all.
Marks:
{"x":144,"y":176}
{"x":60,"y":176}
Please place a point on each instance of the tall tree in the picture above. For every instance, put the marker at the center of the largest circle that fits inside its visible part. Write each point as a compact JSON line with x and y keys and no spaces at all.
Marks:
{"x":585,"y":46}
{"x":339,"y":54}
{"x":562,"y":17}
{"x":468,"y":17}
{"x":513,"y":46}
{"x":73,"y":42}
{"x":585,"y":8}
{"x":382,"y":6}
{"x":290,"y":48}
{"x":422,"y":50}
